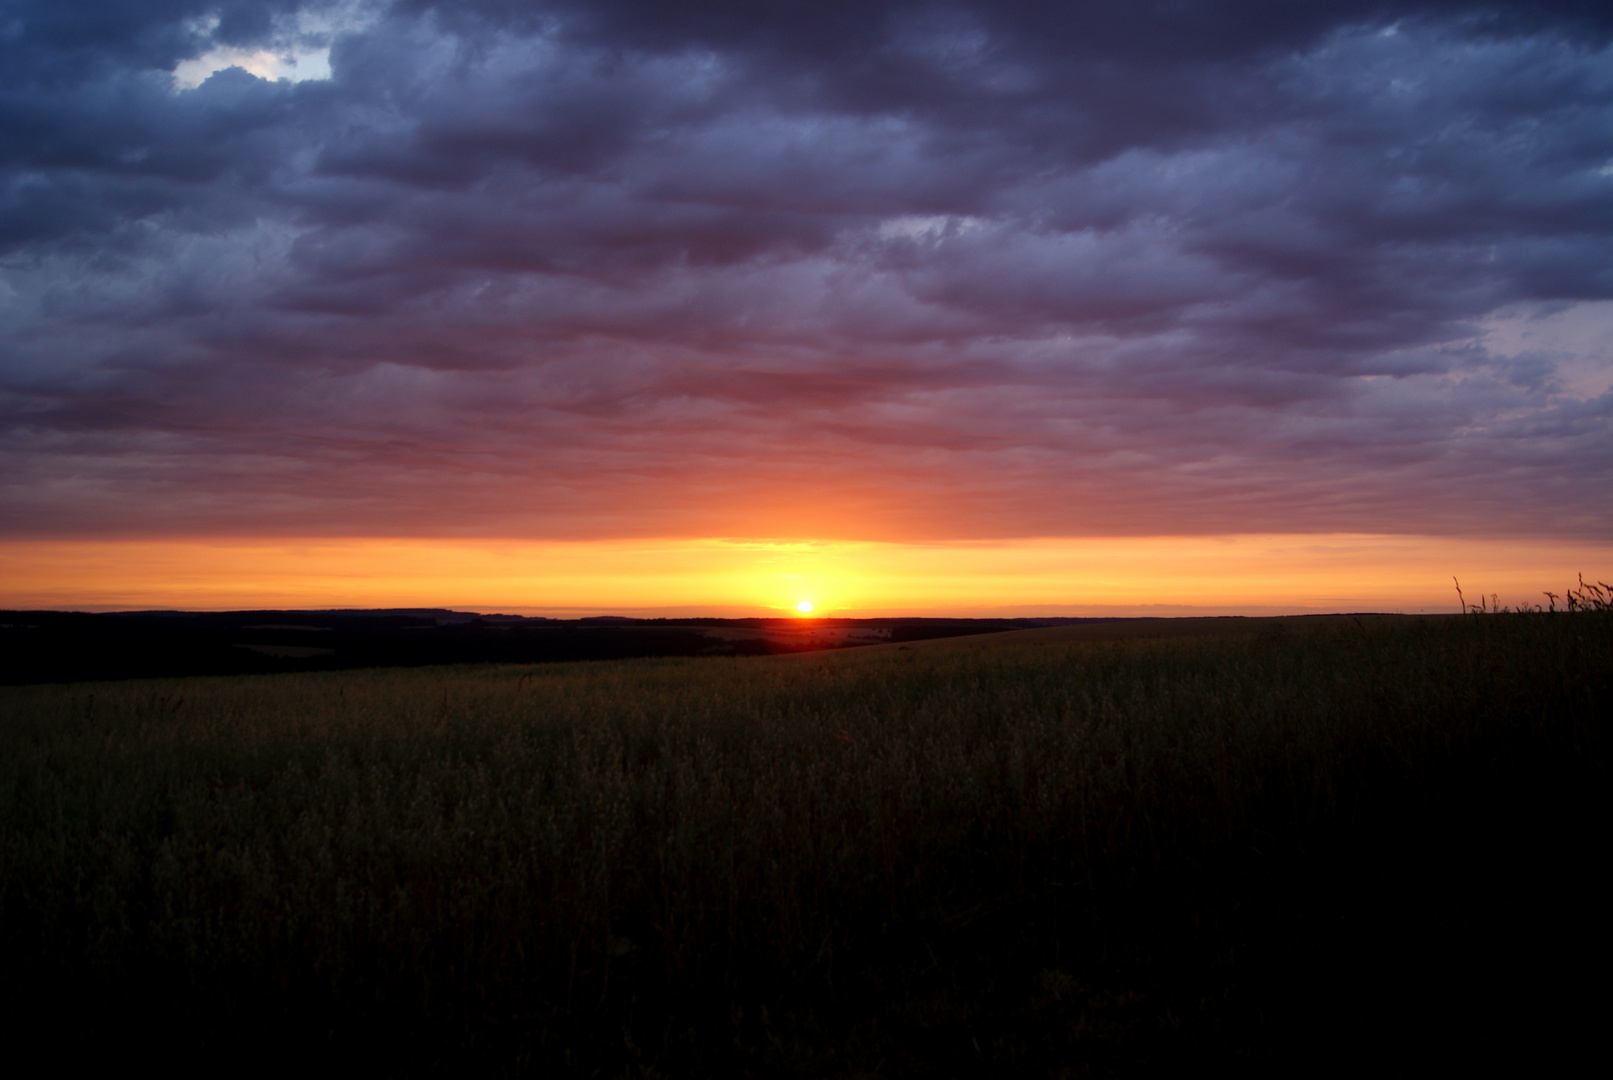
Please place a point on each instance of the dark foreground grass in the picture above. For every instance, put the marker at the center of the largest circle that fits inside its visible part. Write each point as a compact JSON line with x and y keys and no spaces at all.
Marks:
{"x":1068,"y":852}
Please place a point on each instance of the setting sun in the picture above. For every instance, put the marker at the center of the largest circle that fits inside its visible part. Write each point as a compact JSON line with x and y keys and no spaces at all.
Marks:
{"x":804,"y":607}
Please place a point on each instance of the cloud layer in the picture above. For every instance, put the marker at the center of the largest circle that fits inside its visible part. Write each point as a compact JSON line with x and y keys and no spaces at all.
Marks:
{"x":905,"y":271}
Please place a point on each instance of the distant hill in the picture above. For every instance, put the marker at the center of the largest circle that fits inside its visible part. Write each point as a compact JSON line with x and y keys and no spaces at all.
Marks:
{"x":58,"y":646}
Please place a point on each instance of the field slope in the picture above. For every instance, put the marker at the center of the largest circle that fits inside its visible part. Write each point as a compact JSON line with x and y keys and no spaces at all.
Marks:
{"x":1112,"y":850}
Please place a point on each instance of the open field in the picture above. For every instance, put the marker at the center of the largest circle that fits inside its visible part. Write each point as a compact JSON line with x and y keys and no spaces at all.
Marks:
{"x":1113,"y":849}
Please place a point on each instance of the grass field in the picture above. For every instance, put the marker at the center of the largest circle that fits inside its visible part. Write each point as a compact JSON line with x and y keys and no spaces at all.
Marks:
{"x":1122,"y":849}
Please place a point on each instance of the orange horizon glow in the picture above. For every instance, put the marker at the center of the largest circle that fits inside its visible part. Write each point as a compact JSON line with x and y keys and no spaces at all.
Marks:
{"x":1251,"y":574}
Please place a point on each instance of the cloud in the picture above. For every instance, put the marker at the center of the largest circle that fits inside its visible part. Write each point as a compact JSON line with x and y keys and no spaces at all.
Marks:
{"x":296,"y":49}
{"x":878,"y":272}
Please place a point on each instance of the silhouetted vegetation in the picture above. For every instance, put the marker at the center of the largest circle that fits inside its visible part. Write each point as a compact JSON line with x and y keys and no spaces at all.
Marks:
{"x":57,"y":646}
{"x":1118,"y":849}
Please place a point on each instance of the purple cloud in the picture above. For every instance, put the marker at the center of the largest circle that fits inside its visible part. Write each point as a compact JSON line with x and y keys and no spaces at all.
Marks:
{"x":896,"y":271}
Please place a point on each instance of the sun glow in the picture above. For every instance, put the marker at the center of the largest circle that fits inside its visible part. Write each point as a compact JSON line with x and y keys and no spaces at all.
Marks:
{"x":1254,"y":574}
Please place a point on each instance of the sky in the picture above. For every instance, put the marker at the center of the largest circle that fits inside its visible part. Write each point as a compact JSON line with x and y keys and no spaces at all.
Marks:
{"x":617,"y":305}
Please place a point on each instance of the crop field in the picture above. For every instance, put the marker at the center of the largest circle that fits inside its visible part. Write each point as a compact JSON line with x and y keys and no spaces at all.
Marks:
{"x":1125,"y":849}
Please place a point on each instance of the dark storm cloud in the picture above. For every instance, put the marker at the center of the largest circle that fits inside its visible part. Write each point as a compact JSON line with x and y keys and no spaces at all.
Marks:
{"x":887,"y":270}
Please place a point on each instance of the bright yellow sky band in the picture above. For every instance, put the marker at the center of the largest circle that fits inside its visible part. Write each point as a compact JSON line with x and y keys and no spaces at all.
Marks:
{"x":1256,"y":574}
